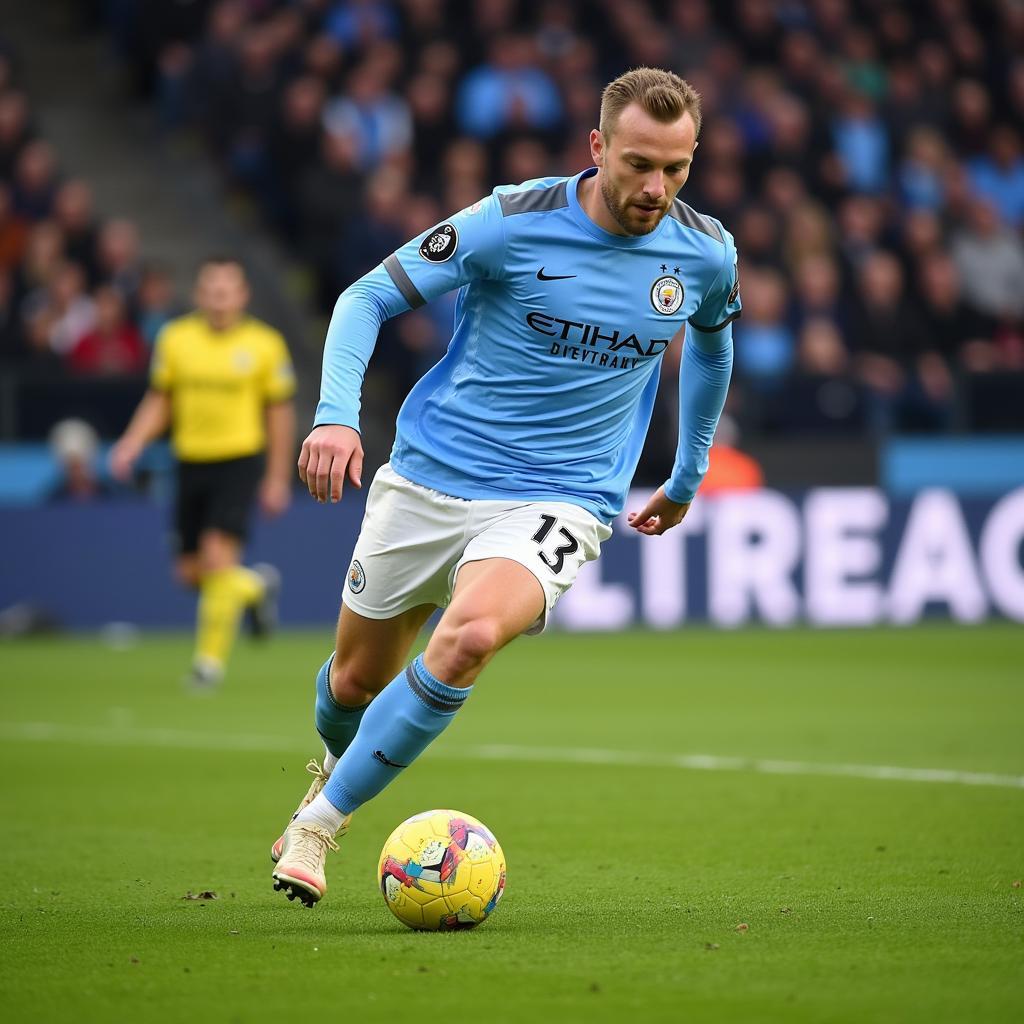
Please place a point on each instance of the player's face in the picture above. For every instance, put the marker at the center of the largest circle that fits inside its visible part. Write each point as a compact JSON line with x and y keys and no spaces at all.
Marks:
{"x":222,"y":293}
{"x":643,"y":165}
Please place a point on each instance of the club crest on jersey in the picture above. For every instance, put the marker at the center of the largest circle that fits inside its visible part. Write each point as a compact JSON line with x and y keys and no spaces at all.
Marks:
{"x":440,"y":244}
{"x":356,"y":577}
{"x":667,"y":295}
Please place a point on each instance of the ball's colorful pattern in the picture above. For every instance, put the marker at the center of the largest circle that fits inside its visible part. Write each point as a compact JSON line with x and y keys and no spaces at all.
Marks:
{"x":441,"y":870}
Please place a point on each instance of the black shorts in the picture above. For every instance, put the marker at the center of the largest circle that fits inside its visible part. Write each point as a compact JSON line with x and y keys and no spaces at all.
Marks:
{"x":215,"y":496}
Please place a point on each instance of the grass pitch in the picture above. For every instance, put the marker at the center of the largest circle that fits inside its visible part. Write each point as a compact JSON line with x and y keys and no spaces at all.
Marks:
{"x":638,"y":887}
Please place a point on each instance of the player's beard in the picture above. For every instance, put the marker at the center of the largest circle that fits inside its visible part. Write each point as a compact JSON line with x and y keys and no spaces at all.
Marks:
{"x":622,"y":210}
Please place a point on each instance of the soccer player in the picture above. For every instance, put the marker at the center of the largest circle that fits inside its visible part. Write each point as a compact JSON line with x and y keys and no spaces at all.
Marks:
{"x":515,"y":452}
{"x":223,"y":382}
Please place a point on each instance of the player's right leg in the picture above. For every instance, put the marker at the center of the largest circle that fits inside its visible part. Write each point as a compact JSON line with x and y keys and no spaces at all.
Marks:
{"x":368,"y":655}
{"x":410,"y":540}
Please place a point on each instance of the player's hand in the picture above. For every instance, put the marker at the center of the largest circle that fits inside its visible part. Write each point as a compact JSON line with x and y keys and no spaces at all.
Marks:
{"x":658,"y":515}
{"x":275,"y":496}
{"x":329,"y":455}
{"x":123,"y":457}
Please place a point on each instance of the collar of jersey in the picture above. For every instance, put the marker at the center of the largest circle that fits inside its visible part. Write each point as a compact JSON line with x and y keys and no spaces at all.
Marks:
{"x":598,"y":232}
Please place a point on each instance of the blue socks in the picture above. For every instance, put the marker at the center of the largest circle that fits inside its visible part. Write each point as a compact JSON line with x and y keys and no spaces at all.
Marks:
{"x":400,"y":723}
{"x":336,"y":723}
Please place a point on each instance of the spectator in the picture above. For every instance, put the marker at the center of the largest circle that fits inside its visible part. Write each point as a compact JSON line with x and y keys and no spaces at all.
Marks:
{"x":818,"y":294}
{"x":118,"y":257}
{"x":354,"y":23}
{"x":376,"y":230}
{"x":953,"y":328}
{"x":44,"y":252}
{"x":376,"y":121}
{"x":75,"y":447}
{"x":862,"y":144}
{"x":998,"y":177}
{"x":429,"y":100}
{"x":765,"y":346}
{"x":295,"y":142}
{"x":922,"y":170}
{"x":507,"y":92}
{"x":991,"y":263}
{"x":328,"y":197}
{"x":156,"y":303}
{"x":73,"y":214}
{"x":58,"y":315}
{"x":114,"y":344}
{"x":822,"y":351}
{"x":13,"y":231}
{"x":35,"y":180}
{"x":908,"y":383}
{"x":15,"y":131}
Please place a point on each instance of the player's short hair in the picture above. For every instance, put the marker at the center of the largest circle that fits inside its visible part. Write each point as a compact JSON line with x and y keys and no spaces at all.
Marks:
{"x":662,"y":94}
{"x":223,"y":260}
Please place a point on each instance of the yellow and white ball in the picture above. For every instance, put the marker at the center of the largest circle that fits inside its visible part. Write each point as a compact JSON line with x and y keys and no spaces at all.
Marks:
{"x":441,"y":870}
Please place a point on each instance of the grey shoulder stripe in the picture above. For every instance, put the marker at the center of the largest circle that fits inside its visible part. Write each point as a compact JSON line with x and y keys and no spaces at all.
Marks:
{"x":403,"y":282}
{"x":689,"y":217}
{"x":534,"y":200}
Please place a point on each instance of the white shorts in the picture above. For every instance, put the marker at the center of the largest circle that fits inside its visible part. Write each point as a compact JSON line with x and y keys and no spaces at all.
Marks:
{"x":414,"y":541}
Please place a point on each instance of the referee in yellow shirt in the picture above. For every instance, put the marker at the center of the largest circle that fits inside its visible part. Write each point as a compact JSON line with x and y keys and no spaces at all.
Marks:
{"x":222,"y":381}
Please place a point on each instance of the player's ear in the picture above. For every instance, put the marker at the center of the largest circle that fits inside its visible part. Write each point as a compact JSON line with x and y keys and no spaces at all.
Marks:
{"x":597,"y":147}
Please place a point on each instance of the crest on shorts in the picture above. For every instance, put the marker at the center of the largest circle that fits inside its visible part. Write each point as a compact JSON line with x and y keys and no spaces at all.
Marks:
{"x":667,"y":295}
{"x":440,"y":245}
{"x":356,"y":577}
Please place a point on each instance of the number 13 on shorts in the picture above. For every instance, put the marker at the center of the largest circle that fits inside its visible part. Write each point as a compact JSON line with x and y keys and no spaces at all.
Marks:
{"x":556,"y":560}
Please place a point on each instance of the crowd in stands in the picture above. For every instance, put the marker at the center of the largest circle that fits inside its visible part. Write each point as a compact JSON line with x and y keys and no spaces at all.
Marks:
{"x":76,"y":299}
{"x":866,"y":155}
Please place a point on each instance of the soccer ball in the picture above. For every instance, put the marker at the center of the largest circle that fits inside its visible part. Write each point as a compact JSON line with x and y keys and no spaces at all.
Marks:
{"x":441,"y":870}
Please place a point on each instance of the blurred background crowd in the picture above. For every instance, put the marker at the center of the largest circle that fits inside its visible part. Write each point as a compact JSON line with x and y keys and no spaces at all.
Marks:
{"x":866,"y":155}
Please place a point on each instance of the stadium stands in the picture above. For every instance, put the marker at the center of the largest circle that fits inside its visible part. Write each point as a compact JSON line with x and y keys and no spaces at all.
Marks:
{"x":867,"y":156}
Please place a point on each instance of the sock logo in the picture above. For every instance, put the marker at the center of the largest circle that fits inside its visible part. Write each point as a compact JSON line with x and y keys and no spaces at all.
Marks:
{"x":356,"y":577}
{"x":382,"y":757}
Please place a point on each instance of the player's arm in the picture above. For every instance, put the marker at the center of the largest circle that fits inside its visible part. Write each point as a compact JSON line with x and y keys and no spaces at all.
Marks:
{"x":275,"y":491}
{"x":152,"y":418}
{"x":704,"y":375}
{"x":468,"y":246}
{"x":278,"y":387}
{"x":150,"y":421}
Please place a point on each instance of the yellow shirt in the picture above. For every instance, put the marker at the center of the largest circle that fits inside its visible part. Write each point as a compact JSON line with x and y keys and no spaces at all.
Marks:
{"x":220,"y":383}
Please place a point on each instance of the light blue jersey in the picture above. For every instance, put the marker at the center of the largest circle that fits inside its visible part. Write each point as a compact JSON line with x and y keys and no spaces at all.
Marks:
{"x":547,"y":387}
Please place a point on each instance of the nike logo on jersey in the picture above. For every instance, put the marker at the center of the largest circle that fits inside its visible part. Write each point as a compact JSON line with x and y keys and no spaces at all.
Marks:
{"x":541,"y":276}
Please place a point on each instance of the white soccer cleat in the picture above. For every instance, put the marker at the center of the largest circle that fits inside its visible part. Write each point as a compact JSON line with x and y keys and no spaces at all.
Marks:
{"x":300,"y":871}
{"x":205,"y":674}
{"x":319,"y":780}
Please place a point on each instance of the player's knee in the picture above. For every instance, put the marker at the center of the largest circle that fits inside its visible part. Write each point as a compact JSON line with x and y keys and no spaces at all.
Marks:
{"x":353,"y":685}
{"x":473,"y":642}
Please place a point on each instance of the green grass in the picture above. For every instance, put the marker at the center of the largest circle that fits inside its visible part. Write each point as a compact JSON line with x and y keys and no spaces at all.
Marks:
{"x":865,"y":900}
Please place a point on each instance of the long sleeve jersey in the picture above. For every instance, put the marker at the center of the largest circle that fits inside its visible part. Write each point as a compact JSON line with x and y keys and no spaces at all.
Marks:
{"x":546,"y":390}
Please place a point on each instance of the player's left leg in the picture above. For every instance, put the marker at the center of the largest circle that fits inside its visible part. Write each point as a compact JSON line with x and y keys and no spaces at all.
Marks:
{"x":226,"y":588}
